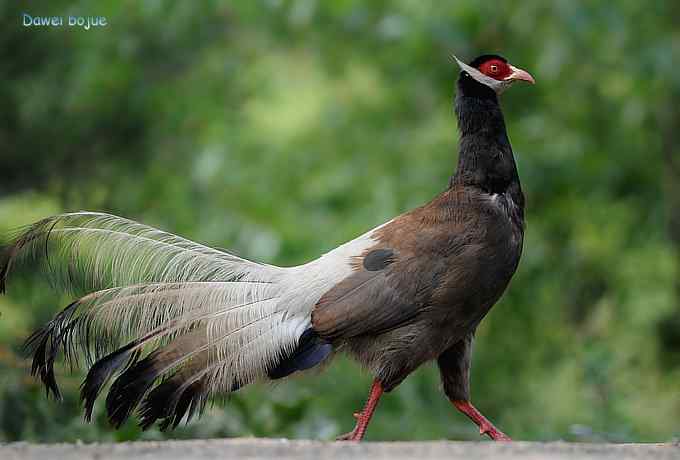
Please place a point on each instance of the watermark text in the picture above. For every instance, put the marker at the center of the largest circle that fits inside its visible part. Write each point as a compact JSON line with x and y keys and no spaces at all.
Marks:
{"x":83,"y":22}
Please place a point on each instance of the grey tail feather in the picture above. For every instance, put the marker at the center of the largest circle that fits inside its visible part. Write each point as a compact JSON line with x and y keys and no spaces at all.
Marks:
{"x":39,"y":345}
{"x":172,"y":399}
{"x":180,"y":395}
{"x":133,"y":375}
{"x":129,"y":388}
{"x":102,"y":371}
{"x":22,"y":237}
{"x":44,"y":344}
{"x":184,"y":393}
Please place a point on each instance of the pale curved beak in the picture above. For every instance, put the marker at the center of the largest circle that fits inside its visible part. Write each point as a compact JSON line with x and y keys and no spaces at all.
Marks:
{"x":519,"y":74}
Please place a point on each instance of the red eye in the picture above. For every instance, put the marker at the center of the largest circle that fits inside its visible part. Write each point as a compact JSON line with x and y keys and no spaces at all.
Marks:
{"x":495,"y":69}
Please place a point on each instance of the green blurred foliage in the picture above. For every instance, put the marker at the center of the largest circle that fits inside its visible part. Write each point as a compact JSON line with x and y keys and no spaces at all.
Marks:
{"x":280,"y":129}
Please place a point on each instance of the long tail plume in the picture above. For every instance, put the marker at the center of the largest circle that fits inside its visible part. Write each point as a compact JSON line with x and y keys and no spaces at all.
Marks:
{"x":168,"y":321}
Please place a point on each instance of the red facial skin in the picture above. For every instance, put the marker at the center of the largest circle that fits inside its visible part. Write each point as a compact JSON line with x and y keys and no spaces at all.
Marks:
{"x":496,"y":69}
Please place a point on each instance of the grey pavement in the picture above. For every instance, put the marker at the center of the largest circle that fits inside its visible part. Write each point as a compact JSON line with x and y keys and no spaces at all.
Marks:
{"x":317,"y":450}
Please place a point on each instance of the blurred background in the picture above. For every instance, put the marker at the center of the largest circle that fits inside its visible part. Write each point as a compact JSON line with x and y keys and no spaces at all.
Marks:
{"x":280,"y":129}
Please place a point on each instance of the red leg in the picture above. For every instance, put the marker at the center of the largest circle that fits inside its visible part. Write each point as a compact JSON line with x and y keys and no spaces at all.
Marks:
{"x":365,"y":415}
{"x":485,"y":426}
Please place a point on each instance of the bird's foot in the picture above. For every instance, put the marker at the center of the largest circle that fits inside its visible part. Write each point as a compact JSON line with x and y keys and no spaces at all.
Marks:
{"x":487,"y":428}
{"x":354,"y":434}
{"x":351,"y":436}
{"x":363,"y":417}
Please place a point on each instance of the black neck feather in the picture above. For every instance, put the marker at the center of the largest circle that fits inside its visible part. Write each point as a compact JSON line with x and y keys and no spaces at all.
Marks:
{"x":485,"y":157}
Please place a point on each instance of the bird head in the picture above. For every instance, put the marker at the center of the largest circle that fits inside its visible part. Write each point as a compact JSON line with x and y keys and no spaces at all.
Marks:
{"x":493,"y":71}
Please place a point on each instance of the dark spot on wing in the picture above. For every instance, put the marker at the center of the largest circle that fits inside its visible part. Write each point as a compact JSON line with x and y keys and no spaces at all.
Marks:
{"x":378,"y":259}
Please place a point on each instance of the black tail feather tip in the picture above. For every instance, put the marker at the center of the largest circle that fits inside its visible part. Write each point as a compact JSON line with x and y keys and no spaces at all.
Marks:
{"x":100,"y":373}
{"x":129,"y":388}
{"x":44,"y":344}
{"x":170,"y":401}
{"x":42,"y":365}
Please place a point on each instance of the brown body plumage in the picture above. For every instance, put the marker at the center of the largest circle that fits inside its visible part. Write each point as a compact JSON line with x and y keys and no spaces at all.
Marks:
{"x":449,"y":262}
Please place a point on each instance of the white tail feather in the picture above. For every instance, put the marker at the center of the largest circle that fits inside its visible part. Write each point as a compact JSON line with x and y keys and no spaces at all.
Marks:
{"x":149,"y":288}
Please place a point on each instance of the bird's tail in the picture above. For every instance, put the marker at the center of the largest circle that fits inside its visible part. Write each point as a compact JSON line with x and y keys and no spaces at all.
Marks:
{"x":170,"y":321}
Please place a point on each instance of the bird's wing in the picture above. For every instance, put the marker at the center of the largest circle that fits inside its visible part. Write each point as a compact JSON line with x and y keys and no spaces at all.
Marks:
{"x":391,"y":284}
{"x":371,"y":300}
{"x":421,"y":260}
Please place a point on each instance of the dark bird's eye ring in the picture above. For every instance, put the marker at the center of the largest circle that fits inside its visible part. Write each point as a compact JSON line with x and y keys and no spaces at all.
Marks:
{"x":494,"y":68}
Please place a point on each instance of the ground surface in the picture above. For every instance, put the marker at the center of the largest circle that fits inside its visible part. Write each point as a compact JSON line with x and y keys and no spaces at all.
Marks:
{"x":283,"y":449}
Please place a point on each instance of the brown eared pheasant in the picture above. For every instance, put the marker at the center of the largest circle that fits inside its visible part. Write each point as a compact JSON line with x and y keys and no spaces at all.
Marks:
{"x":170,"y":323}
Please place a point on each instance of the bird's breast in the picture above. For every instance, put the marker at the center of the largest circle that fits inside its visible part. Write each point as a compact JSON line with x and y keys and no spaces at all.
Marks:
{"x":480,"y":269}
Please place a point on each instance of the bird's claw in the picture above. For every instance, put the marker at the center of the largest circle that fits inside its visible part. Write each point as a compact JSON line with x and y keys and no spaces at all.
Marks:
{"x":354,"y":434}
{"x":493,"y":432}
{"x":351,"y":436}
